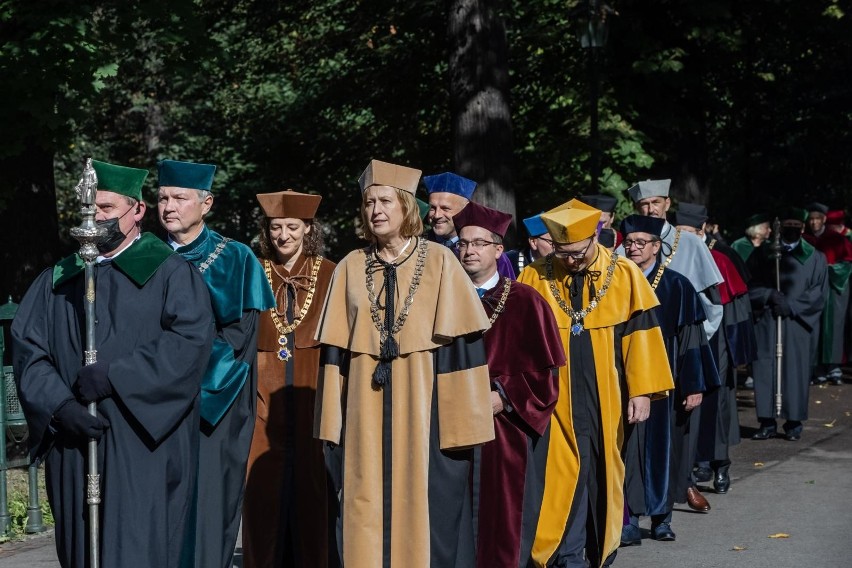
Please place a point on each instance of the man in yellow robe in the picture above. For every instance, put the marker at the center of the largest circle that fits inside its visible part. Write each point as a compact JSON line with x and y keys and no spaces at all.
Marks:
{"x":616,"y":363}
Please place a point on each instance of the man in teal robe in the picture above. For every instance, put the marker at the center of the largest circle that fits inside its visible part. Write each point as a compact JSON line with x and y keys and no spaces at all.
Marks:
{"x":238,"y":290}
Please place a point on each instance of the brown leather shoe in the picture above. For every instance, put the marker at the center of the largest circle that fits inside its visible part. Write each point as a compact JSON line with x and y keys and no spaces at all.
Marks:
{"x":696,"y":500}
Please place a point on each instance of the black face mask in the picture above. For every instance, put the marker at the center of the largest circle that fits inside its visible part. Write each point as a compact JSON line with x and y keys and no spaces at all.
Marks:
{"x":790,"y":234}
{"x":113,"y":236}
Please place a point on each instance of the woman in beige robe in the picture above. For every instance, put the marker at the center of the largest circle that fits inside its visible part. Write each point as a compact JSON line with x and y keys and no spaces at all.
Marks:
{"x":406,"y":407}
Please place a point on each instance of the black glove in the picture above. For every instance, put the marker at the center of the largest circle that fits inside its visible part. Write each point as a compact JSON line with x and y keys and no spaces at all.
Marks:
{"x":781,"y":310}
{"x":776,"y":297}
{"x":780,"y":305}
{"x":93,"y":383}
{"x":72,"y":418}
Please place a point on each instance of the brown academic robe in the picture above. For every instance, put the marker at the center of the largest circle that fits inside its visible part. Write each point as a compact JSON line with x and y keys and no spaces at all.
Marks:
{"x":524,"y":350}
{"x":405,"y":446}
{"x":288,"y":510}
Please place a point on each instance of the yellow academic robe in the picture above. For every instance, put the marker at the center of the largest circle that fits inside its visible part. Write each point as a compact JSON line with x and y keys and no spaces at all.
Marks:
{"x":646,"y":372}
{"x":445,"y":310}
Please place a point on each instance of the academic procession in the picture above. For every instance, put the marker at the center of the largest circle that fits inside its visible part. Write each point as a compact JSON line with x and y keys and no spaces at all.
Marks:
{"x":431,"y":399}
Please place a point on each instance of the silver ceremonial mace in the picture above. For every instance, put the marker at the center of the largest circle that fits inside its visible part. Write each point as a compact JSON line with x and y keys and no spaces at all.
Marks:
{"x":779,"y":346}
{"x":89,"y":233}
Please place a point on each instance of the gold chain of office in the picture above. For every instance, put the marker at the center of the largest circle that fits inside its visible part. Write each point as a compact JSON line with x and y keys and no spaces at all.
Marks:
{"x":406,"y":306}
{"x":578,"y":316}
{"x":284,"y":353}
{"x":664,"y":265}
{"x":501,"y":305}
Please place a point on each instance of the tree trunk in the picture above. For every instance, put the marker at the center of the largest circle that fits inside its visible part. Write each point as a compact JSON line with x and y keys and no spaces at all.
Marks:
{"x":28,"y":220}
{"x":479,"y":99}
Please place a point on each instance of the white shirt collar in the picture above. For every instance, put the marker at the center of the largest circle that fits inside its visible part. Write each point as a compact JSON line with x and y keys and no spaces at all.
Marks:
{"x":491,"y":282}
{"x":102,"y":259}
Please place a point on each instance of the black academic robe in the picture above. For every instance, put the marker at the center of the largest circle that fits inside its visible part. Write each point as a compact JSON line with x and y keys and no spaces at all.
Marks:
{"x":804,"y":282}
{"x":660,"y":451}
{"x":156,"y":337}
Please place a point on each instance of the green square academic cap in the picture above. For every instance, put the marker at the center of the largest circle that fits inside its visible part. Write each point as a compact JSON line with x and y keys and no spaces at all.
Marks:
{"x":757,"y":219}
{"x":120,"y":179}
{"x":172,"y":173}
{"x":795,"y":214}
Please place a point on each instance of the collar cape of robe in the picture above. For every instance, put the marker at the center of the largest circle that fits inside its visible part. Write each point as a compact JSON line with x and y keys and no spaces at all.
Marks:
{"x":743,"y":247}
{"x":680,"y":307}
{"x":237,"y":283}
{"x":733,"y":285}
{"x":304,"y":334}
{"x":524,"y":338}
{"x":692,"y":259}
{"x":235,"y":279}
{"x":139,"y":261}
{"x":436,"y":316}
{"x":623,"y":324}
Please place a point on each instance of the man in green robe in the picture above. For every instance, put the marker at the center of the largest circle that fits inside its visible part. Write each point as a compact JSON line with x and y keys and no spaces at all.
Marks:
{"x":153,"y":331}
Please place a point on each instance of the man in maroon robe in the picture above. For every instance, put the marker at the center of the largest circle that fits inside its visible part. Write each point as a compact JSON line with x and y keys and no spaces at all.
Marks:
{"x":524,"y":350}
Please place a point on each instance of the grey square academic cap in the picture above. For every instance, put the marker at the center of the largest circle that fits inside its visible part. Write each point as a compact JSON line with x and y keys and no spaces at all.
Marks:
{"x":650,"y":188}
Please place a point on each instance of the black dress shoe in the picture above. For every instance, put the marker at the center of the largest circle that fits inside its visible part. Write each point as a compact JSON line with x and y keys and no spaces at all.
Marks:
{"x":702,"y":474}
{"x":765,"y":433}
{"x":793,"y":431}
{"x":631,"y":536}
{"x":663,"y":532}
{"x":722,"y":481}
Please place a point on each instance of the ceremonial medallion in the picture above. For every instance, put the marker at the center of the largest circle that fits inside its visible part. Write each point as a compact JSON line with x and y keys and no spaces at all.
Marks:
{"x":577,"y":328}
{"x":284,"y":352}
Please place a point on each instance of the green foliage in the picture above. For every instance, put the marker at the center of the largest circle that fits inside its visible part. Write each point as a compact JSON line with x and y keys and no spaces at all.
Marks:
{"x":18,"y":501}
{"x":728,"y":99}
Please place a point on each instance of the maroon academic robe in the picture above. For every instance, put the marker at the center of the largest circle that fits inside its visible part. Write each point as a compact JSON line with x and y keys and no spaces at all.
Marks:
{"x":523,"y":348}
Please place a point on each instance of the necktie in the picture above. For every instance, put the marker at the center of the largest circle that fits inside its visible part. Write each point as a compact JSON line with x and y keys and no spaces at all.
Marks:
{"x":481,"y":291}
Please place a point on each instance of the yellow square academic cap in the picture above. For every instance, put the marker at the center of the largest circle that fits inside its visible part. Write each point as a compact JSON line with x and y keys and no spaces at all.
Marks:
{"x":571,"y":222}
{"x":289,"y":204}
{"x":383,"y":173}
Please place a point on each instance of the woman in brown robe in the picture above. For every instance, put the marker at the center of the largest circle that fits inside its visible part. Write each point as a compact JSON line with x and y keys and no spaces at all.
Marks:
{"x":289,"y":509}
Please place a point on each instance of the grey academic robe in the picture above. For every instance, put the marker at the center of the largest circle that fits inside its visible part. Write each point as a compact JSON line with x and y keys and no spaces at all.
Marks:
{"x":804,"y":281}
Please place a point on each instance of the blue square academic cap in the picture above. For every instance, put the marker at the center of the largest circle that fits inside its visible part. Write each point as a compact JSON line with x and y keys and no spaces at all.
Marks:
{"x":448,"y":182}
{"x":535,"y":226}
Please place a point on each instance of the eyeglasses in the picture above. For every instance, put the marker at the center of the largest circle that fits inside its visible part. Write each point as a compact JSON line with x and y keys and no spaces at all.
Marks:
{"x":545,"y":239}
{"x":477,"y":244}
{"x":573,"y":255}
{"x":638,"y":243}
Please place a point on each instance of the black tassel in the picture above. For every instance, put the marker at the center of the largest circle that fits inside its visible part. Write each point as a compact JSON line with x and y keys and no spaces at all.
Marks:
{"x":389,"y":349}
{"x":382,"y":374}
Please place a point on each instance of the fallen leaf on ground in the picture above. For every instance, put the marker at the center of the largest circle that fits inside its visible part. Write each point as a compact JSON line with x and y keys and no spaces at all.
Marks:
{"x":758,"y":464}
{"x":848,"y":413}
{"x":811,"y":482}
{"x":779,"y":535}
{"x":817,"y":402}
{"x":739,"y":548}
{"x":830,"y":424}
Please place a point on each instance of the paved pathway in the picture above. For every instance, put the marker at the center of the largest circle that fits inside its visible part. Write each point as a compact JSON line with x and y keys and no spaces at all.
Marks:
{"x":802,"y":489}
